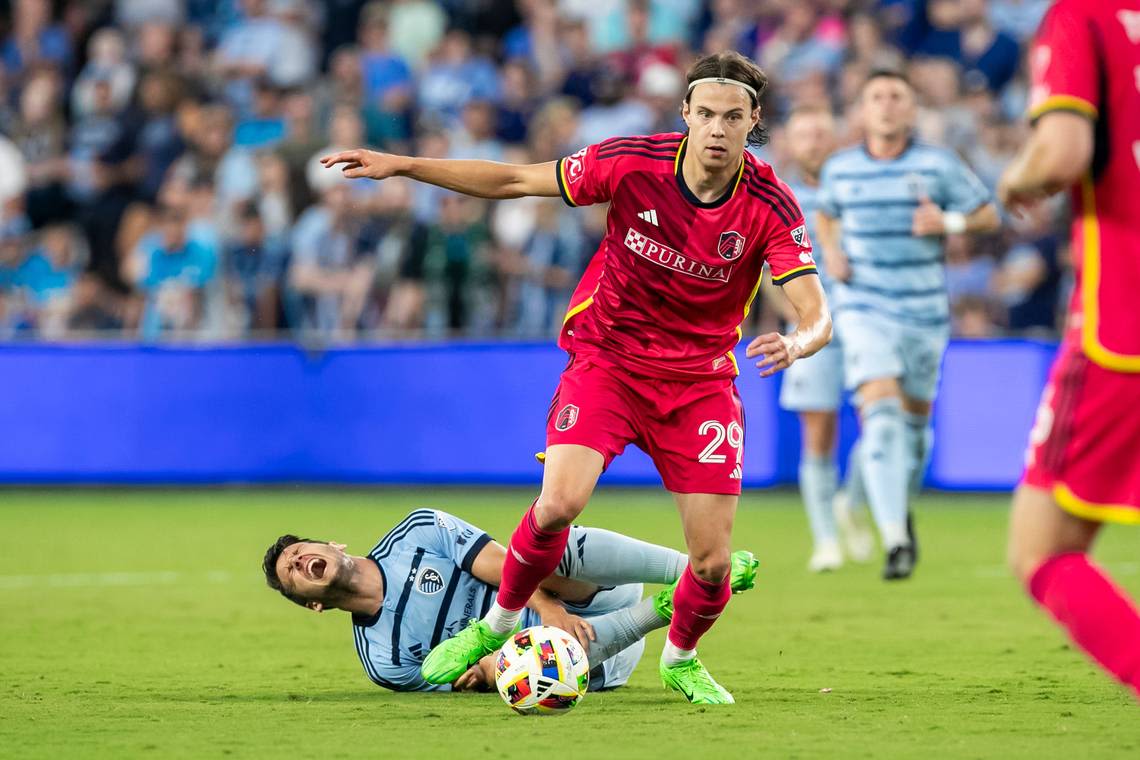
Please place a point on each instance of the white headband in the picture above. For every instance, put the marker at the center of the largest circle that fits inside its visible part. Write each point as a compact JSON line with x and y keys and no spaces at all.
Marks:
{"x":722,"y":80}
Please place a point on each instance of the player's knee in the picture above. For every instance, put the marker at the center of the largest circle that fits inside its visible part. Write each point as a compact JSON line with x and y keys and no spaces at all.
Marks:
{"x":712,"y":567}
{"x":557,"y":509}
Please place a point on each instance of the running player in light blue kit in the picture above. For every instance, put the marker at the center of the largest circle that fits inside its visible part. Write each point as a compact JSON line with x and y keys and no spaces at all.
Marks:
{"x":884,"y":209}
{"x":434,"y":572}
{"x":813,"y":387}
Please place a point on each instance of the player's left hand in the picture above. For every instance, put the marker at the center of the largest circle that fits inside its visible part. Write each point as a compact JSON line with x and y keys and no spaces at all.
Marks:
{"x":577,"y":627}
{"x":927,"y":219}
{"x":779,"y":351}
{"x":479,"y":677}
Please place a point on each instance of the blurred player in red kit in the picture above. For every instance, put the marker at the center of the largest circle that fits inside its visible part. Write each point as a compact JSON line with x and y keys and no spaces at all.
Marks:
{"x":1083,"y":462}
{"x":650,"y":332}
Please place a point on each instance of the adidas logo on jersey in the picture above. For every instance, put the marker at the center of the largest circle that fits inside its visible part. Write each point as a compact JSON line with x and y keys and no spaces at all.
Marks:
{"x":649,"y":216}
{"x":737,"y":474}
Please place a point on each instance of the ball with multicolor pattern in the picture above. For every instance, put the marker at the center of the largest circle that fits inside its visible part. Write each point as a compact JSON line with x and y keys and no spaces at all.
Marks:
{"x":542,"y":670}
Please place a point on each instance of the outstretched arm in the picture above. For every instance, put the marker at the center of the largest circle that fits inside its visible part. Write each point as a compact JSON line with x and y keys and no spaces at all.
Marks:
{"x":813,"y":328}
{"x":482,"y":179}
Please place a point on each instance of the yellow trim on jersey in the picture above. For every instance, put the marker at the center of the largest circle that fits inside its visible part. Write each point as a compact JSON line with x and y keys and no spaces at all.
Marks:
{"x":577,"y":309}
{"x":739,"y":327}
{"x":790,"y":272}
{"x":1090,"y":289}
{"x":739,"y":175}
{"x":1063,"y":103}
{"x":565,"y":185}
{"x":1087,"y":510}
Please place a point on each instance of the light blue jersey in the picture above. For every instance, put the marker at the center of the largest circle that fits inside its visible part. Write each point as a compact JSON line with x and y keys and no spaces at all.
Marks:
{"x":894,"y":274}
{"x":430,"y":594}
{"x":815,"y":383}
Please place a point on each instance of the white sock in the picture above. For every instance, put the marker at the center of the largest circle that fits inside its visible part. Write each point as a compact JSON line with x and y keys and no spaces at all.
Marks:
{"x":502,"y":620}
{"x":674,"y":655}
{"x":894,"y":534}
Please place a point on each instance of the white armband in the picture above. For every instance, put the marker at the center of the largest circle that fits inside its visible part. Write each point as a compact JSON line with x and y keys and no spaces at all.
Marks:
{"x":954,"y":222}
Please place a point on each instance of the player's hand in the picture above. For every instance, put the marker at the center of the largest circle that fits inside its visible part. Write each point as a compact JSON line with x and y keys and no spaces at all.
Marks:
{"x":838,"y":267}
{"x":779,"y":351}
{"x":1017,"y":201}
{"x":364,"y":163}
{"x":577,"y":627}
{"x":479,"y":677}
{"x":927,"y":219}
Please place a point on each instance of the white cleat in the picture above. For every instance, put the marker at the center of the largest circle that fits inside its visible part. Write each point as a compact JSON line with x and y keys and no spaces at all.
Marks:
{"x":857,"y":537}
{"x":826,"y":558}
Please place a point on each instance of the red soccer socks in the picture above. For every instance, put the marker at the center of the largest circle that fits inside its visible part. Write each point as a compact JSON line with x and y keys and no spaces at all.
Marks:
{"x":532,"y":555}
{"x":1099,"y":617}
{"x":696,"y":606}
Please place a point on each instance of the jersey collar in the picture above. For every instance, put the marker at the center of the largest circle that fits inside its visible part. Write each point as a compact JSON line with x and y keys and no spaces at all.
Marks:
{"x":689,"y":195}
{"x":905,"y":150}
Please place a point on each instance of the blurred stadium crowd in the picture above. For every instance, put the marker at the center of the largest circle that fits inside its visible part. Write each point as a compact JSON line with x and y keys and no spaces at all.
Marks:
{"x":158,"y":172}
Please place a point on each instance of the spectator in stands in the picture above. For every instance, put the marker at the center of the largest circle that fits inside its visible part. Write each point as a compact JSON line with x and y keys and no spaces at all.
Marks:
{"x":172,"y":270}
{"x":455,"y":76}
{"x":554,"y":258}
{"x":34,"y":39}
{"x":387,"y":79}
{"x":40,"y":134}
{"x":106,"y":62}
{"x":333,"y":264}
{"x":253,"y":269}
{"x":47,"y":277}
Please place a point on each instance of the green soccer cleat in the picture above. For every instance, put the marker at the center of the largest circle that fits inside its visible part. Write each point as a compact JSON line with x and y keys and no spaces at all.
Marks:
{"x":451,"y":659}
{"x":741,"y":577}
{"x":691,"y":679}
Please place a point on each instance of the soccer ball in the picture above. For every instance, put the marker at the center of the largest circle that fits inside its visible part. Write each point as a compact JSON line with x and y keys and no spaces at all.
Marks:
{"x":542,"y":670}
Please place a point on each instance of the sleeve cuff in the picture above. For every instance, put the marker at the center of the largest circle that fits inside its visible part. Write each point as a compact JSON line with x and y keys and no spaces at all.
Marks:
{"x":1069,"y":103}
{"x":473,"y":552}
{"x":560,"y":176}
{"x":792,"y":274}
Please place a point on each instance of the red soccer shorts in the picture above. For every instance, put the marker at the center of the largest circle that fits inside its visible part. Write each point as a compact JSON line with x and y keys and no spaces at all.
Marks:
{"x":1085,"y":444}
{"x":693,"y":430}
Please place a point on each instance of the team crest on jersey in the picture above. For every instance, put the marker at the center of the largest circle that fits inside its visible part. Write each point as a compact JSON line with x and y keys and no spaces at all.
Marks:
{"x":800,"y":236}
{"x":567,"y":416}
{"x":730,"y":245}
{"x":429,"y":581}
{"x":574,"y":166}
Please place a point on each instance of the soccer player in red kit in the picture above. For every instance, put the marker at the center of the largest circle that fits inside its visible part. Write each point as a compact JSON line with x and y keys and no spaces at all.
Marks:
{"x":650,"y":333}
{"x":1083,"y":462}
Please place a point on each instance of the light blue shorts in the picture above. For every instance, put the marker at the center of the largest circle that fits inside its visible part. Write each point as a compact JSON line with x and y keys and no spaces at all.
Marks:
{"x":815,"y":384}
{"x":876,"y":347}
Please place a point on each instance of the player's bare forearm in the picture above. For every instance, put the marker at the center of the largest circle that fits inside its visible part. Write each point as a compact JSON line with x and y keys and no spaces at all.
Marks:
{"x":983,"y":220}
{"x":828,"y":242}
{"x":1059,"y":151}
{"x":482,"y":179}
{"x":813,"y":328}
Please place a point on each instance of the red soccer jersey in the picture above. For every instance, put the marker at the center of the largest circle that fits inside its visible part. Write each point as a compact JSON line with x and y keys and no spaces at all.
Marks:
{"x":1086,"y":59}
{"x":673,"y":279}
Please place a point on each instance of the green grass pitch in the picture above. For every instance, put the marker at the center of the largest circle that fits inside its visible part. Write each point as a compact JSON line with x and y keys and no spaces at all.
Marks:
{"x":136,"y":624}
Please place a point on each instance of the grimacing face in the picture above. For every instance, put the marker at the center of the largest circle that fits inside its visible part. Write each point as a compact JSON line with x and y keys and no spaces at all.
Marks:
{"x":889,"y":108}
{"x":719,"y":116}
{"x":811,"y":137}
{"x":309,"y":568}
